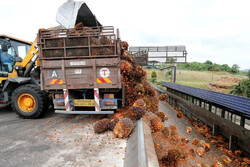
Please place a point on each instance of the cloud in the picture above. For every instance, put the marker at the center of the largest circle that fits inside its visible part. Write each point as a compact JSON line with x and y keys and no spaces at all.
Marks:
{"x":211,"y":30}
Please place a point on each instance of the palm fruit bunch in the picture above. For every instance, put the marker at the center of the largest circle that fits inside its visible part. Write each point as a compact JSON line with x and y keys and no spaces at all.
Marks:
{"x":171,"y":133}
{"x":124,"y":45}
{"x":192,"y":152}
{"x":201,"y":143}
{"x":154,"y":103}
{"x":113,"y":122}
{"x":200,"y":151}
{"x":174,"y":155}
{"x":237,"y":152}
{"x":173,"y":130}
{"x":163,"y":97}
{"x":140,"y":103}
{"x":203,"y":165}
{"x":246,"y":160}
{"x":174,"y":133}
{"x":123,"y":128}
{"x":104,"y":40}
{"x":101,"y":125}
{"x":94,"y":41}
{"x":136,"y":112}
{"x":166,"y":132}
{"x":146,"y":118}
{"x":206,"y":146}
{"x":184,"y":140}
{"x":148,"y":89}
{"x":139,"y":90}
{"x":179,"y":114}
{"x":139,"y":74}
{"x":126,"y":67}
{"x":160,"y":115}
{"x":217,"y":164}
{"x":188,"y":129}
{"x":155,"y":123}
{"x":128,"y":58}
{"x":195,"y":141}
{"x":225,"y":159}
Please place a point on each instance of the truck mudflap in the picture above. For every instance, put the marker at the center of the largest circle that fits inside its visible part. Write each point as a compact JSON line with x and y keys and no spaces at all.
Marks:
{"x":83,"y":112}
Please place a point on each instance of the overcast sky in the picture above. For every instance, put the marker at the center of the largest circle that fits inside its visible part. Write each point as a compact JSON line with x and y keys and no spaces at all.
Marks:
{"x":216,"y":30}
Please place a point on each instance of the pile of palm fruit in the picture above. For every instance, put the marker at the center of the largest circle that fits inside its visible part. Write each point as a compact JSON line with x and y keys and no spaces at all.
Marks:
{"x":141,"y":101}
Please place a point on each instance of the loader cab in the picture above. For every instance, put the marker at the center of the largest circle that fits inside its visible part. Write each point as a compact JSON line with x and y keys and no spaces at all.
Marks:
{"x":7,"y":56}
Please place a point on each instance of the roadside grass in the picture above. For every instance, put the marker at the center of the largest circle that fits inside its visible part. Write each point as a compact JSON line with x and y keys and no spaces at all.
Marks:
{"x":198,"y":79}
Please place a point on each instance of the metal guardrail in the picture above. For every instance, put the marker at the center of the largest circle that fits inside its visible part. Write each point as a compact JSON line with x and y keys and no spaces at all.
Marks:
{"x":239,"y":104}
{"x":218,"y":117}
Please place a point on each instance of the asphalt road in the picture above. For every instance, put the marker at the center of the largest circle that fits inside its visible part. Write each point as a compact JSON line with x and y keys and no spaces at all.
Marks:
{"x":56,"y":140}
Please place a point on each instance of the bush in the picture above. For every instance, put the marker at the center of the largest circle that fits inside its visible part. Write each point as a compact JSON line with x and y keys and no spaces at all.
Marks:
{"x":242,"y":89}
{"x":153,"y":77}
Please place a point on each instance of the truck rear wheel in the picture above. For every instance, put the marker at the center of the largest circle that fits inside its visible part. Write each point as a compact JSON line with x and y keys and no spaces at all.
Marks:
{"x":28,"y":101}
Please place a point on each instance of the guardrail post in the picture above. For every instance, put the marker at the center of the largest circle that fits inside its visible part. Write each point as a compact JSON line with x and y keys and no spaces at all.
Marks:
{"x":216,"y":129}
{"x":242,"y":121}
{"x":223,"y":113}
{"x":233,"y":142}
{"x":210,"y":107}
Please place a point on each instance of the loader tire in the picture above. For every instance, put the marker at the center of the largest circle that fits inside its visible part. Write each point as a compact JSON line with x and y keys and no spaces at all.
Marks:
{"x":28,"y":101}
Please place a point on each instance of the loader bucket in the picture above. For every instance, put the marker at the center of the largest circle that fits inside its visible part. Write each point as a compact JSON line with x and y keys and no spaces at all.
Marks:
{"x":72,"y":13}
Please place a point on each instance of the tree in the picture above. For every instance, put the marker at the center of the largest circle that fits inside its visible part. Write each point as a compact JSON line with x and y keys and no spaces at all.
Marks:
{"x":225,"y":67}
{"x":153,"y":77}
{"x":248,"y":74}
{"x":216,"y":67}
{"x":209,"y":64}
{"x":235,"y":68}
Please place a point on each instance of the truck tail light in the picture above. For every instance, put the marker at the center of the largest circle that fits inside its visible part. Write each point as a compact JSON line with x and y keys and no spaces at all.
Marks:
{"x":109,"y":96}
{"x":109,"y":103}
{"x":59,"y":103}
{"x":59,"y":96}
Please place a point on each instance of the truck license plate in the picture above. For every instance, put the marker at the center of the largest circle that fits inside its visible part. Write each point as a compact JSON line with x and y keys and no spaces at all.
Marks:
{"x":84,"y":103}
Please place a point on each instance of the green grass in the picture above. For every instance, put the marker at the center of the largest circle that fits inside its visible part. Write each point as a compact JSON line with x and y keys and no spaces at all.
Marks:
{"x":198,"y":79}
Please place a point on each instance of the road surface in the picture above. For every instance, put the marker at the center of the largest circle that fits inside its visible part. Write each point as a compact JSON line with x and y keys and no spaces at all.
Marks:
{"x":56,"y":140}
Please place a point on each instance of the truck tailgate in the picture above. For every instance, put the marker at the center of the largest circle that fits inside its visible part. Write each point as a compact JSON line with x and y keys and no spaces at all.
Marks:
{"x":81,"y":73}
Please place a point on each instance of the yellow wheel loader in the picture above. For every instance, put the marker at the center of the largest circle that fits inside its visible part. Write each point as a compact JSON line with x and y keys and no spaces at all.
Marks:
{"x":20,"y":78}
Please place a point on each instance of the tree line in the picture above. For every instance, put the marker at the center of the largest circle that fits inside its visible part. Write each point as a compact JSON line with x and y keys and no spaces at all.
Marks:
{"x":208,"y":66}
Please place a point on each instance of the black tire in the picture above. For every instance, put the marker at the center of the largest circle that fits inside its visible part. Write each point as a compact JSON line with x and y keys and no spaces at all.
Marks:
{"x":38,"y":95}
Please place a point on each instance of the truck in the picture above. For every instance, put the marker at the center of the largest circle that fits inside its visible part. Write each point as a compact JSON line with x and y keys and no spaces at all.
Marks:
{"x":60,"y":62}
{"x":80,"y":68}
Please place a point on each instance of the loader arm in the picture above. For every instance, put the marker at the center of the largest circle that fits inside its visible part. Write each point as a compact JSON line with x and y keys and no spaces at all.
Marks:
{"x":33,"y":52}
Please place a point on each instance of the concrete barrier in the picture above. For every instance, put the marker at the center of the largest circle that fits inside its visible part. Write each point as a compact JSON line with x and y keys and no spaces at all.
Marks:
{"x":140,"y":148}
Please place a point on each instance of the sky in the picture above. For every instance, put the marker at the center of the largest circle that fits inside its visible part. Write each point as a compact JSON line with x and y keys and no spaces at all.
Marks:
{"x":216,"y":30}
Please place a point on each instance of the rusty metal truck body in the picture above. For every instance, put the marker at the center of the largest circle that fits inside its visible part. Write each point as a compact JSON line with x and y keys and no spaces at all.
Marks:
{"x":81,"y":69}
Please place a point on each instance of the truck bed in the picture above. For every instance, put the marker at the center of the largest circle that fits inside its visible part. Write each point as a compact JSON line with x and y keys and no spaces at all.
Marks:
{"x":81,"y":58}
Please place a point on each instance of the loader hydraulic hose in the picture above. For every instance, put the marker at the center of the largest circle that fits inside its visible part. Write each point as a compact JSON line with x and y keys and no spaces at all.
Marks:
{"x":27,"y":71}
